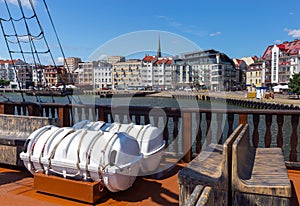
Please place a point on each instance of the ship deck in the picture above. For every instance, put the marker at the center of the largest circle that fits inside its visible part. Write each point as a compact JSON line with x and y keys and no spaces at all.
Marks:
{"x":17,"y":188}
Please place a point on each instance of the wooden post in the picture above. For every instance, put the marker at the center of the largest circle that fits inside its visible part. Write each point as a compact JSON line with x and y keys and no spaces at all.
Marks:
{"x":208,"y":129}
{"x":101,"y":114}
{"x":7,"y":108}
{"x":34,"y":109}
{"x":243,"y":119}
{"x":280,"y":119}
{"x":64,"y":116}
{"x":255,"y":136}
{"x":268,"y":131}
{"x":187,"y":136}
{"x":294,"y":138}
{"x":199,"y":133}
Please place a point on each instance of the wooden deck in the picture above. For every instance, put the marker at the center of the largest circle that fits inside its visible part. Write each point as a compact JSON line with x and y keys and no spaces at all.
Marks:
{"x":16,"y":188}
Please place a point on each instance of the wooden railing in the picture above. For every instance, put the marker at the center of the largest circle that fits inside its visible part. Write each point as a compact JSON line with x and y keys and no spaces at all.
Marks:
{"x":186,"y":130}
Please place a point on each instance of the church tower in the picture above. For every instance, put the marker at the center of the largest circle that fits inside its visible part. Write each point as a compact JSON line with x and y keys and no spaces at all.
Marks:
{"x":159,"y":49}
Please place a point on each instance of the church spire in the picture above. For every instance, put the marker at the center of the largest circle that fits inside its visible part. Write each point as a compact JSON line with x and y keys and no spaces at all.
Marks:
{"x":159,"y":49}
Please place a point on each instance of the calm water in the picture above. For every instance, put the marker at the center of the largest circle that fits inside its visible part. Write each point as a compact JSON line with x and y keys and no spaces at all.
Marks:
{"x":132,"y":101}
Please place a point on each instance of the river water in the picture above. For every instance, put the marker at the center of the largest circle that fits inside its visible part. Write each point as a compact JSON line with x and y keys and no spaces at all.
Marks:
{"x":132,"y":101}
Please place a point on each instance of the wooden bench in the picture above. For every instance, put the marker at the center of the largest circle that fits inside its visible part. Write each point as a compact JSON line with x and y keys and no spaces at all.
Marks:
{"x":201,"y":196}
{"x":212,"y":167}
{"x":14,"y":130}
{"x":259,"y":176}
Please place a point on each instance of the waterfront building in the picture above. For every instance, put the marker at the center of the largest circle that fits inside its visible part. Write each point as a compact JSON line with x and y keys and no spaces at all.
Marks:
{"x":115,"y":59}
{"x":241,"y":68}
{"x":54,"y":75}
{"x":281,"y":61}
{"x":38,"y":77}
{"x":103,"y":75}
{"x":211,"y":69}
{"x":255,"y":77}
{"x":85,"y":73}
{"x":8,"y":71}
{"x":70,"y":65}
{"x":249,"y":60}
{"x":181,"y":75}
{"x":126,"y":74}
{"x":156,"y":71}
{"x":24,"y":73}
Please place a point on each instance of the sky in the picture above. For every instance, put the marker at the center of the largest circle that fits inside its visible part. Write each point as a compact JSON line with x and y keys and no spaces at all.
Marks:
{"x":237,"y":28}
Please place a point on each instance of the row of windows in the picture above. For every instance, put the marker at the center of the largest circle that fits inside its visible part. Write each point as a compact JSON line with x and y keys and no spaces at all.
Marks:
{"x":102,"y":80}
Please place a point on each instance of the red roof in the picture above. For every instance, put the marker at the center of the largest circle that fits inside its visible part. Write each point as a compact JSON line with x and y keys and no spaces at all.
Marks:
{"x":149,"y":58}
{"x":291,"y":48}
{"x":9,"y":61}
{"x":163,"y":61}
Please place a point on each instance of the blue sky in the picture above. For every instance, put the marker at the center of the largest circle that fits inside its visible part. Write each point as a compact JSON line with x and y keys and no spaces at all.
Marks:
{"x":238,"y":28}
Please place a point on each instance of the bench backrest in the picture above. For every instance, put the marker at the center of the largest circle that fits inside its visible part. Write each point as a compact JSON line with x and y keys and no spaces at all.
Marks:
{"x":242,"y":156}
{"x":20,"y":127}
{"x":227,"y":152}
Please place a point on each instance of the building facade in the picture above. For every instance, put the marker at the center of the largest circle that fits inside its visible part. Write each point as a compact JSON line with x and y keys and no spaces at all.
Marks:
{"x":103,"y":75}
{"x":210,"y":69}
{"x":241,"y":69}
{"x":71,"y":64}
{"x":281,"y":61}
{"x":85,"y":73}
{"x":115,"y":59}
{"x":181,"y":74}
{"x":126,"y":74}
{"x":255,"y":76}
{"x":54,"y":75}
{"x":9,"y":72}
{"x":157,"y":72}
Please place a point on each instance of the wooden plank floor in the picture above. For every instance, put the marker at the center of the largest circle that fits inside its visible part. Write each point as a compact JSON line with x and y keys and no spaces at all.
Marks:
{"x":16,"y":188}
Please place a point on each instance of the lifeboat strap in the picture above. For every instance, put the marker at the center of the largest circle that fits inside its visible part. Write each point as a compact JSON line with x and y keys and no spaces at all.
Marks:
{"x":34,"y":143}
{"x":78,"y":149}
{"x":88,"y":159}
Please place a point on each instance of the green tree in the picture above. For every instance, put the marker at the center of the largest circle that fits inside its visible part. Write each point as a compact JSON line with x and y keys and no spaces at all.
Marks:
{"x":4,"y":82}
{"x":294,"y":84}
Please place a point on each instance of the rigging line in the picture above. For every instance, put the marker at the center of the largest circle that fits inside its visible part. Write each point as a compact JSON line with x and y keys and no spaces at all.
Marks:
{"x":28,"y":52}
{"x":22,"y":41}
{"x":41,"y":28}
{"x":33,"y":49}
{"x":40,"y":35}
{"x":17,"y":20}
{"x":12,"y":61}
{"x":59,"y":42}
{"x":56,"y":35}
{"x":20,"y":47}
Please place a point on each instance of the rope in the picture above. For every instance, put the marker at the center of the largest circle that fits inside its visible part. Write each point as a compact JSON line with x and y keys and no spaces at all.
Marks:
{"x":31,"y":39}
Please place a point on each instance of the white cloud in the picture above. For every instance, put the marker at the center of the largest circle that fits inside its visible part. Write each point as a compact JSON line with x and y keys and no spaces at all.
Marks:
{"x":293,"y":32}
{"x":278,"y":41}
{"x":25,"y":3}
{"x":60,"y":60}
{"x":215,"y":34}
